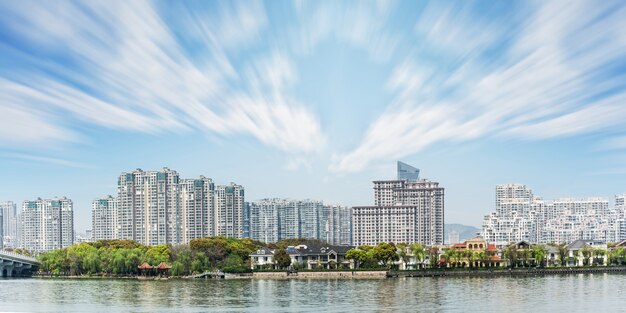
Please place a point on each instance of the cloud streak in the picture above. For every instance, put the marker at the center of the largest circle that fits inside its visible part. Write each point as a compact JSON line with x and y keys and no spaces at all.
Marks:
{"x":129,"y":66}
{"x":553,"y":79}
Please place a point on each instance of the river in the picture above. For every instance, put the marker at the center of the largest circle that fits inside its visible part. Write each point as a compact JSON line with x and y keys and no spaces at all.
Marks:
{"x":573,"y":293}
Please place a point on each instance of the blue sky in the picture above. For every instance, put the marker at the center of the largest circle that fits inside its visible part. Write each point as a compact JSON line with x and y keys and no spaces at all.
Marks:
{"x":314,"y":99}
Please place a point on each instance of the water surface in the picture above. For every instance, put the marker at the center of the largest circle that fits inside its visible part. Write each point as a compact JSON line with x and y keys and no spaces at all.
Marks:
{"x":581,"y":292}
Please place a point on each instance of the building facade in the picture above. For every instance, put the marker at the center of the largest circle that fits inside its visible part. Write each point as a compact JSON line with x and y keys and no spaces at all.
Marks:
{"x":197,"y":198}
{"x":410,"y":211}
{"x":47,"y":224}
{"x":521,"y":216}
{"x":229,"y":204}
{"x":148,"y":207}
{"x":105,"y":224}
{"x":276,"y":219}
{"x":10,"y":225}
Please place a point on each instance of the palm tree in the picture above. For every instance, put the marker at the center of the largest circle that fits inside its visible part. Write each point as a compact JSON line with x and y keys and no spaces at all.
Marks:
{"x":481,"y":256}
{"x":511,"y":254}
{"x":598,"y":256}
{"x":563,"y":251}
{"x":586,"y":253}
{"x":539,"y":253}
{"x":419,"y":253}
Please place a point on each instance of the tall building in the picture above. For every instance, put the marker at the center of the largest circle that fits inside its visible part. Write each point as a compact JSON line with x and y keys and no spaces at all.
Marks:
{"x":1,"y":230}
{"x":196,"y":208}
{"x":10,"y":225}
{"x":47,"y":224}
{"x":404,"y":211}
{"x":276,"y":219}
{"x":519,"y":215}
{"x":407,"y":172}
{"x":335,"y":225}
{"x":104,"y":219}
{"x":453,"y":237}
{"x":148,"y":207}
{"x":229,"y":204}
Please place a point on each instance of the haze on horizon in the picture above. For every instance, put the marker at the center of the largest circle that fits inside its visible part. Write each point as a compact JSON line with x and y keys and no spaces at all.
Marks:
{"x":314,"y":99}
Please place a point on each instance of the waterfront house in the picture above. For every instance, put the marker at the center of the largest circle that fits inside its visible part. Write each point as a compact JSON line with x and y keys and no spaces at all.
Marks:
{"x":319,"y":257}
{"x":474,"y":252}
{"x":303,"y":256}
{"x":586,"y":253}
{"x":262,"y":258}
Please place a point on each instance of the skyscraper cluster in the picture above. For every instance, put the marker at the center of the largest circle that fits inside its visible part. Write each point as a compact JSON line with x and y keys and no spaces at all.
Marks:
{"x":407,"y":209}
{"x":519,"y":215}
{"x":158,"y":207}
{"x":10,"y":225}
{"x":272,"y":220}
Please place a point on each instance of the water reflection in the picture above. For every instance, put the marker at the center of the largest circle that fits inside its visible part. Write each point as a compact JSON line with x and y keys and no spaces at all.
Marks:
{"x":595,"y":292}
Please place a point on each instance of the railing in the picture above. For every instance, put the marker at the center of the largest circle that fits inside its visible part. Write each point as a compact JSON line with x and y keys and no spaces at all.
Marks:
{"x":18,"y":256}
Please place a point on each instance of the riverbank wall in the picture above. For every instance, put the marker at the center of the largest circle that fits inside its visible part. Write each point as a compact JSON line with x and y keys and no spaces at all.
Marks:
{"x":328,"y":274}
{"x":506,"y":272}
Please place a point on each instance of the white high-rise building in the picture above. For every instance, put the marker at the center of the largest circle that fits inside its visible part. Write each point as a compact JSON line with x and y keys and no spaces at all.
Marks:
{"x":149,"y":212}
{"x":405,"y":210}
{"x":275,"y":219}
{"x":229,"y":213}
{"x":521,"y":216}
{"x":47,"y":224}
{"x":10,"y":224}
{"x":197,"y":208}
{"x":104,"y":219}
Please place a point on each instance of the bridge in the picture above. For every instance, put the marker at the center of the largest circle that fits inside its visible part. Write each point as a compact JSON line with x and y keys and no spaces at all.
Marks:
{"x":17,"y":265}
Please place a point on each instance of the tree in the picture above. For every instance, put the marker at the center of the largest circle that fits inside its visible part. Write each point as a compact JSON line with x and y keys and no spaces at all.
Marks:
{"x":539,"y":253}
{"x":563,"y":252}
{"x":598,"y":255}
{"x":586,"y":253}
{"x":281,"y":258}
{"x":357,"y":256}
{"x":385,"y":253}
{"x":419,"y":252}
{"x":511,"y":254}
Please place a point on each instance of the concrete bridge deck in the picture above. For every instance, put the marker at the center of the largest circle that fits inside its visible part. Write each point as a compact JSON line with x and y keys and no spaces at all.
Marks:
{"x":17,"y":265}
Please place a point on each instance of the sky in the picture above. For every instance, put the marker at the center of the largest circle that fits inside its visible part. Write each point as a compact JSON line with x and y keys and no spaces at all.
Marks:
{"x":314,"y":99}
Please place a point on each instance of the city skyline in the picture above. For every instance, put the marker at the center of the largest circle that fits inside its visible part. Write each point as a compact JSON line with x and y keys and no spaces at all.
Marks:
{"x":314,"y":100}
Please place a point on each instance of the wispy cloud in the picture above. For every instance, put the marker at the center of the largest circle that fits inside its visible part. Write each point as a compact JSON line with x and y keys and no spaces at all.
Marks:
{"x":43,"y":159}
{"x":552,"y":79}
{"x":124,"y":65}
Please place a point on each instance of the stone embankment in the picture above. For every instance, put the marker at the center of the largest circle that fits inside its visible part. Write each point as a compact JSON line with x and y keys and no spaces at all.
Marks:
{"x":506,"y":272}
{"x":327,"y":274}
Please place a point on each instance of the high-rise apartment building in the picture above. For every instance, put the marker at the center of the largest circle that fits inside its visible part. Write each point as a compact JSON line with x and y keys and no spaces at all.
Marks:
{"x":272,"y":220}
{"x":335,"y":224}
{"x":105,"y":224}
{"x":197,"y":198}
{"x":10,"y":225}
{"x":229,"y":204}
{"x":47,"y":224}
{"x":148,"y":207}
{"x":519,"y":215}
{"x":410,"y":211}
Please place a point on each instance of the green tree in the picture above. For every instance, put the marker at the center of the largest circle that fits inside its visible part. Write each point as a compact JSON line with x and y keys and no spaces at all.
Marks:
{"x":563,"y":253}
{"x":282,"y":259}
{"x":385,"y":253}
{"x":419,"y":253}
{"x":539,"y":253}
{"x":511,"y":254}
{"x":586,"y":252}
{"x":598,"y":256}
{"x":157,"y":254}
{"x":357,"y":255}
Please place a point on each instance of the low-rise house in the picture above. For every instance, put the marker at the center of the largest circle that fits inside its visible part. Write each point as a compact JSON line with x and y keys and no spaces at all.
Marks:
{"x":586,"y":253}
{"x":262,"y":258}
{"x":474,"y":252}
{"x":303,"y":256}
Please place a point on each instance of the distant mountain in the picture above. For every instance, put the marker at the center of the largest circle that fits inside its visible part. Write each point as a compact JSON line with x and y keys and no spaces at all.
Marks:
{"x":465,"y":231}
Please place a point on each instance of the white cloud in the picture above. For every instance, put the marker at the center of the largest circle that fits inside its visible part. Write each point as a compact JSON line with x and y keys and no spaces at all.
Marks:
{"x":550,"y":82}
{"x":130,"y":71}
